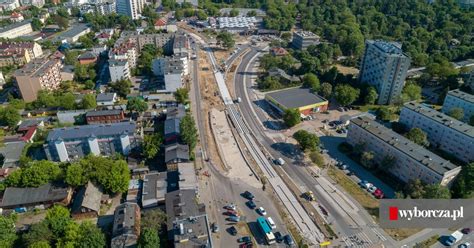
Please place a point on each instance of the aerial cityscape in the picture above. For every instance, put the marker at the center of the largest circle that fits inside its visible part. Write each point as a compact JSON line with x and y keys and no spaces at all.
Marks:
{"x":216,"y":124}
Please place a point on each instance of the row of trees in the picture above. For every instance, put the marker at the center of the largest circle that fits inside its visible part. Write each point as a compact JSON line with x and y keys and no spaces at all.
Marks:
{"x":64,"y":100}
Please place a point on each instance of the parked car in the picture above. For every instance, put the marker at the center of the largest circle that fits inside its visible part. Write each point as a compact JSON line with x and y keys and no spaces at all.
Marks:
{"x":215,"y":227}
{"x":230,"y":207}
{"x":278,"y":237}
{"x":363,"y":183}
{"x":232,"y":213}
{"x":288,"y":240}
{"x":279,"y":161}
{"x":248,"y":195}
{"x":271,"y":223}
{"x":232,"y":230}
{"x":261,"y":211}
{"x":464,"y":245}
{"x":378,"y":194}
{"x":251,"y":204}
{"x":372,"y":189}
{"x":244,"y":239}
{"x":233,"y":219}
{"x":343,"y":166}
{"x":246,"y":245}
{"x":466,"y":230}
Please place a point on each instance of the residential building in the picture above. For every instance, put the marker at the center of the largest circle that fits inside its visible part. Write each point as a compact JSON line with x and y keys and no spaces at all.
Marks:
{"x":86,"y":204}
{"x":180,"y":45}
{"x":131,"y":8}
{"x":66,"y":144}
{"x":125,"y":50}
{"x":188,"y":223}
{"x":459,"y":99}
{"x":278,"y":51}
{"x":11,"y":153}
{"x":69,"y":116}
{"x":470,"y":80}
{"x":172,"y":70}
{"x":187,"y":176}
{"x":39,"y":74}
{"x":106,"y":99}
{"x":72,"y":34}
{"x":126,"y":227}
{"x":444,"y":132}
{"x":105,"y":116}
{"x":154,"y":189}
{"x":119,"y":69}
{"x":17,"y":57}
{"x":9,"y":5}
{"x":409,"y":160}
{"x":304,"y":39}
{"x":106,"y":8}
{"x":194,"y":3}
{"x":16,"y":17}
{"x":297,"y":98}
{"x":87,"y":58}
{"x":37,"y":3}
{"x":176,"y":153}
{"x":384,"y":66}
{"x":466,"y":4}
{"x":32,"y":48}
{"x":171,"y":130}
{"x":15,"y":30}
{"x":2,"y":80}
{"x":45,"y":195}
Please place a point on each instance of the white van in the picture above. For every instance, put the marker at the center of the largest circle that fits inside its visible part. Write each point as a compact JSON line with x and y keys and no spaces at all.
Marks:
{"x":271,"y":223}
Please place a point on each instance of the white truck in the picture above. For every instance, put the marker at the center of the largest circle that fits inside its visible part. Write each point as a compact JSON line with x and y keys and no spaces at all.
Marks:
{"x":453,"y":238}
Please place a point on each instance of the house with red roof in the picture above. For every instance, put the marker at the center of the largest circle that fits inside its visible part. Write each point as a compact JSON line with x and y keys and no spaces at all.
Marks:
{"x":16,"y":17}
{"x":160,"y":24}
{"x":278,"y":51}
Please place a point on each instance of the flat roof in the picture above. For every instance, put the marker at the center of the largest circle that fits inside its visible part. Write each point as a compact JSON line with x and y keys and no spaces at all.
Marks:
{"x":103,"y":112}
{"x":74,"y":30}
{"x":391,"y":48}
{"x":101,"y":130}
{"x":27,"y":196}
{"x":187,"y":176}
{"x":295,"y":97}
{"x":462,"y":95}
{"x":416,"y":152}
{"x":14,"y":25}
{"x":154,"y":188}
{"x":441,"y":118}
{"x":36,"y":67}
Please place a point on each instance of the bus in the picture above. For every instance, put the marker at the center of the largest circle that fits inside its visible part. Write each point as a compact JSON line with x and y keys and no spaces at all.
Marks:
{"x":266,"y":230}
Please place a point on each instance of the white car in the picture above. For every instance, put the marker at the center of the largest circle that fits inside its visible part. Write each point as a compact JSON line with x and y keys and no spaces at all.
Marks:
{"x":261,"y":211}
{"x":372,"y":189}
{"x":368,"y":185}
{"x":465,"y":245}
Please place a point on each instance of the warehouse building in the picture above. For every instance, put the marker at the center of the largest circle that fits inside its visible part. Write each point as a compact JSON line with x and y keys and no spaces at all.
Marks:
{"x":300,"y":98}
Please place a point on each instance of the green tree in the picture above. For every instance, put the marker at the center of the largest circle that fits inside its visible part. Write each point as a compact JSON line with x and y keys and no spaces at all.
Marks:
{"x":89,"y":102}
{"x":75,"y":175}
{"x":67,"y":101}
{"x":7,"y":232}
{"x":463,"y":186}
{"x":149,"y":239}
{"x":16,"y":103}
{"x":153,"y":219}
{"x":38,"y":232}
{"x":415,"y":189}
{"x":122,"y":87}
{"x":384,"y":113}
{"x":326,"y":90}
{"x":412,"y":91}
{"x":371,"y":96}
{"x":90,"y":236}
{"x":188,"y":131}
{"x":182,"y":95}
{"x":114,"y":178}
{"x":317,"y":158}
{"x":9,"y":116}
{"x":40,"y":244}
{"x":418,"y":136}
{"x":291,"y":117}
{"x":225,"y":39}
{"x":345,"y":94}
{"x":252,"y":13}
{"x":436,"y":191}
{"x":179,"y":14}
{"x":35,"y":174}
{"x":136,"y":104}
{"x":456,"y":113}
{"x":151,"y":145}
{"x":70,"y":57}
{"x":233,"y":12}
{"x":36,"y":24}
{"x":311,"y":81}
{"x":58,"y":218}
{"x":306,"y":140}
{"x":367,"y":159}
{"x":201,"y":15}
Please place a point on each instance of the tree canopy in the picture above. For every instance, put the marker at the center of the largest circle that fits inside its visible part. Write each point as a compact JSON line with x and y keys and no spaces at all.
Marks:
{"x":306,"y":140}
{"x":151,"y":145}
{"x":418,"y":136}
{"x":182,"y":95}
{"x":311,"y":81}
{"x":291,"y":117}
{"x":136,"y":104}
{"x":456,"y":113}
{"x":188,"y":131}
{"x":345,"y":94}
{"x":122,"y":87}
{"x":225,"y":39}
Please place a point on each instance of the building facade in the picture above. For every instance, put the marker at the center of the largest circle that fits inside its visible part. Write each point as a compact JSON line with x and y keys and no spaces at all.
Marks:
{"x":384,"y":66}
{"x":119,"y":69}
{"x":443,"y":131}
{"x":66,"y":144}
{"x":15,"y":30}
{"x":410,"y":161}
{"x":32,"y":48}
{"x":459,"y":99}
{"x":132,"y":8}
{"x":105,"y":116}
{"x":39,"y":74}
{"x":126,"y":227}
{"x":304,"y":39}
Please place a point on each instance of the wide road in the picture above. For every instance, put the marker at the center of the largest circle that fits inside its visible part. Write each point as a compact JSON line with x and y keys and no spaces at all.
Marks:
{"x":360,"y":228}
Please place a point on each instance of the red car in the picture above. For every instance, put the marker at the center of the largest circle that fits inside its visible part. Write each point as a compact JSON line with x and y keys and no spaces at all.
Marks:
{"x":378,"y":194}
{"x":246,"y":245}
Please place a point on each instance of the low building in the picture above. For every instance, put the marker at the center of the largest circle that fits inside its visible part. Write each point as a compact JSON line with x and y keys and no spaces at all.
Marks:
{"x":119,"y":69}
{"x":106,"y":99}
{"x":126,"y":227}
{"x":444,"y":132}
{"x":70,"y":116}
{"x":188,"y":223}
{"x":66,"y":144}
{"x":8,"y":58}
{"x":105,"y":116}
{"x":174,"y":154}
{"x":11,"y":152}
{"x":187,"y":177}
{"x":297,"y":98}
{"x":154,"y":189}
{"x":37,"y":3}
{"x":278,"y":51}
{"x":304,"y":39}
{"x":237,"y":24}
{"x":32,"y":48}
{"x":410,"y":161}
{"x":45,"y":195}
{"x":16,"y":17}
{"x":9,"y":5}
{"x":171,"y":130}
{"x":15,"y":30}
{"x":86,"y":204}
{"x":39,"y":74}
{"x":459,"y":99}
{"x":87,"y":58}
{"x":72,"y":35}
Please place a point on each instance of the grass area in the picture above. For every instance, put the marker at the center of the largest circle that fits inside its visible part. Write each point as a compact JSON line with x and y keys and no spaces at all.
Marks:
{"x":429,"y":242}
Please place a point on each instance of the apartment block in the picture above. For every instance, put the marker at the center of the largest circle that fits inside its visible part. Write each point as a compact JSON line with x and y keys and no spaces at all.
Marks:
{"x":411,"y":161}
{"x":17,"y":57}
{"x":132,"y":8}
{"x":459,"y":99}
{"x":15,"y":30}
{"x":443,"y":131}
{"x":119,"y":69}
{"x":171,"y":70}
{"x":66,"y":144}
{"x":32,"y":48}
{"x":39,"y":74}
{"x":384,"y":66}
{"x":304,"y":39}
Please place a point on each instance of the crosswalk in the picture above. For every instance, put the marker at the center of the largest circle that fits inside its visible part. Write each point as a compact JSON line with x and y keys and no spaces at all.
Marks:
{"x":357,"y":240}
{"x":379,"y":235}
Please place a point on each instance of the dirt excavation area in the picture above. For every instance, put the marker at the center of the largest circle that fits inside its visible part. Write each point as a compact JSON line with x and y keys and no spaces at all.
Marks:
{"x":233,"y":159}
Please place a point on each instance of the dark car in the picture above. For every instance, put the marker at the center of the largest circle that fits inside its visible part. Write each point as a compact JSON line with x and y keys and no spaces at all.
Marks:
{"x":466,"y":230}
{"x":288,"y":240}
{"x":244,"y":239}
{"x":278,"y":237}
{"x":248,"y":195}
{"x":232,"y":230}
{"x":251,"y":204}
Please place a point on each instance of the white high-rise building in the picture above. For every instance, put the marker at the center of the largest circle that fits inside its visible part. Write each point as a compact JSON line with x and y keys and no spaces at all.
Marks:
{"x":132,"y":8}
{"x":384,"y":66}
{"x":119,"y":69}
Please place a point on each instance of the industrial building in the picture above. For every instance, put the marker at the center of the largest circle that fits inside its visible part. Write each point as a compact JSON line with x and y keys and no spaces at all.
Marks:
{"x":297,"y":98}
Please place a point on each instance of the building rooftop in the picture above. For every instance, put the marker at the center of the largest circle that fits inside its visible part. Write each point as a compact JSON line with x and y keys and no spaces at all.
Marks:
{"x":105,"y":97}
{"x":176,"y":151}
{"x":126,"y":220}
{"x":36,"y":67}
{"x":154,"y":188}
{"x":74,"y":31}
{"x":87,"y":55}
{"x":441,"y":118}
{"x":171,"y":126}
{"x":306,"y":34}
{"x":187,"y":176}
{"x":79,"y":132}
{"x":89,"y":196}
{"x":236,"y":22}
{"x":103,"y":112}
{"x":418,"y":153}
{"x":117,"y":62}
{"x":11,"y":153}
{"x":392,"y":48}
{"x":15,"y":25}
{"x":176,"y":112}
{"x":295,"y":97}
{"x":27,"y":196}
{"x":462,"y":95}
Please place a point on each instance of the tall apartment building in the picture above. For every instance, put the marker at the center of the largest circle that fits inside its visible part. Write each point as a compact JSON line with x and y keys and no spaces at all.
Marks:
{"x":15,"y":30}
{"x":459,"y":99}
{"x":66,"y":144}
{"x":39,"y":74}
{"x":384,"y":66}
{"x":411,"y":161}
{"x":106,"y":7}
{"x":119,"y":69}
{"x":32,"y":48}
{"x":304,"y":39}
{"x":132,"y":8}
{"x":443,"y":131}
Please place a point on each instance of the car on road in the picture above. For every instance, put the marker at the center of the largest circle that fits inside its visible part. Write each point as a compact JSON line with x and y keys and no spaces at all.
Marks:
{"x":372,"y":189}
{"x":244,"y":239}
{"x":278,"y":237}
{"x":378,"y":194}
{"x":343,"y":166}
{"x":466,"y":230}
{"x":233,"y":218}
{"x":215,"y":227}
{"x":261,"y":211}
{"x":363,"y":183}
{"x":230,"y":207}
{"x":464,"y":245}
{"x":232,"y":230}
{"x":271,"y":223}
{"x":251,"y":204}
{"x":248,"y":195}
{"x":288,"y":240}
{"x":279,"y":161}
